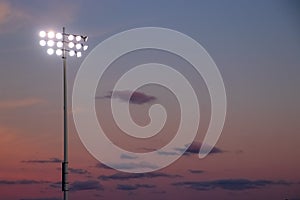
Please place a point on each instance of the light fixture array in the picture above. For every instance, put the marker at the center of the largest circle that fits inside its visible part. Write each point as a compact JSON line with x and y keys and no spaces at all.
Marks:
{"x":63,"y":43}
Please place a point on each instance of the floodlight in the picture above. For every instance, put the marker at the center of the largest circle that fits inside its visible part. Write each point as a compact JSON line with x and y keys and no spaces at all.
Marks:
{"x":62,"y":43}
{"x":50,"y":51}
{"x":71,"y":37}
{"x":78,"y":38}
{"x":78,"y":46}
{"x":51,"y":34}
{"x":71,"y":53}
{"x":50,"y":43}
{"x":59,"y":36}
{"x":42,"y":34}
{"x":71,"y":45}
{"x":42,"y":43}
{"x":59,"y":44}
{"x":78,"y":54}
{"x":59,"y":52}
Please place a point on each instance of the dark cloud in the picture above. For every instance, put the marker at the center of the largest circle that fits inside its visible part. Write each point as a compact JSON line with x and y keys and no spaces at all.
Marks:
{"x":229,"y":184}
{"x":50,"y":160}
{"x":85,"y":185}
{"x":134,"y":165}
{"x":134,"y":187}
{"x":125,"y":156}
{"x":55,"y":184}
{"x":78,"y":171}
{"x":167,"y":153}
{"x":194,"y":148}
{"x":21,"y":182}
{"x":51,"y":198}
{"x":128,"y":165}
{"x":80,"y":185}
{"x":196,"y":171}
{"x":100,"y":165}
{"x":134,"y":98}
{"x":126,"y":176}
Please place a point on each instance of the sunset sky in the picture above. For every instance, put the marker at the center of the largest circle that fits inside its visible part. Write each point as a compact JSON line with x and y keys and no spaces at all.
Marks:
{"x":256,"y":46}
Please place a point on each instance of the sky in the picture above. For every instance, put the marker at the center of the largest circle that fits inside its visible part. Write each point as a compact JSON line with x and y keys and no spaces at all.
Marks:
{"x":255,"y":45}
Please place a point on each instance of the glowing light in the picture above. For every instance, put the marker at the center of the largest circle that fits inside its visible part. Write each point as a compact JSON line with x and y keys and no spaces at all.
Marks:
{"x":78,"y":54}
{"x":50,"y":43}
{"x":58,"y":52}
{"x":78,"y":38}
{"x":71,"y":37}
{"x":43,"y":43}
{"x":58,"y":36}
{"x":59,"y":44}
{"x":51,"y":34}
{"x":71,"y":53}
{"x":71,"y":45}
{"x":78,"y":46}
{"x":50,"y":51}
{"x":42,"y":34}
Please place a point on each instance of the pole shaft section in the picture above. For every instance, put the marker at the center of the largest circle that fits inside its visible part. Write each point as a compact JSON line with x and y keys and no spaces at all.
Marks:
{"x":65,"y":162}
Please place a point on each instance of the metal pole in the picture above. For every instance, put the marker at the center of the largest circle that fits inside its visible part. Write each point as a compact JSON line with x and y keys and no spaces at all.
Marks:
{"x":65,"y":188}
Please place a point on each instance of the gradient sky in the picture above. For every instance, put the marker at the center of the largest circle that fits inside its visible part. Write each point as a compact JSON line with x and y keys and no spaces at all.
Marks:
{"x":256,"y":45}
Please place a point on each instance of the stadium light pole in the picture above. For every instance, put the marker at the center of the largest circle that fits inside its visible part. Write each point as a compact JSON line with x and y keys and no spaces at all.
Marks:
{"x":64,"y":44}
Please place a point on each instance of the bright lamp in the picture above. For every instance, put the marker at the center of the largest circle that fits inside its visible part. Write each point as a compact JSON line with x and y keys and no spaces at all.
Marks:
{"x":43,"y":43}
{"x":50,"y":51}
{"x":51,"y":34}
{"x":59,"y":36}
{"x":42,"y":34}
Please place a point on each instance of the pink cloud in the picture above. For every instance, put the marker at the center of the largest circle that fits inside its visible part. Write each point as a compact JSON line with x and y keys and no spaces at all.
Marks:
{"x":19,"y":103}
{"x":4,"y":12}
{"x":11,"y":18}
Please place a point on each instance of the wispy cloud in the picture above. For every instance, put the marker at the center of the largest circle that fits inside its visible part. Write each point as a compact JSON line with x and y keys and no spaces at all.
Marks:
{"x":167,"y":153}
{"x":50,"y":198}
{"x":132,"y":97}
{"x":133,"y":165}
{"x":78,"y":171}
{"x":134,"y":187}
{"x":125,"y":156}
{"x":19,"y":103}
{"x":21,"y":182}
{"x":100,"y":165}
{"x":195,"y":147}
{"x":4,"y":11}
{"x":80,"y":185}
{"x":55,"y":184}
{"x":126,"y":176}
{"x":229,"y":184}
{"x":50,"y":160}
{"x":11,"y":17}
{"x":14,"y":16}
{"x":86,"y":185}
{"x":196,"y":171}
